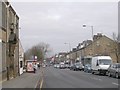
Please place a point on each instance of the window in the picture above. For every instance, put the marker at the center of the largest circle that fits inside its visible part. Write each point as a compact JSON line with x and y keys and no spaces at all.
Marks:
{"x":3,"y":56}
{"x":105,"y":61}
{"x":118,"y":66}
{"x":4,"y":16}
{"x":21,"y":64}
{"x":113,"y":66}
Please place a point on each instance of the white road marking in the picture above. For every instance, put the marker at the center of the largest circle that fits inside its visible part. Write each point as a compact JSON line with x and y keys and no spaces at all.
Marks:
{"x":115,"y":83}
{"x":98,"y":79}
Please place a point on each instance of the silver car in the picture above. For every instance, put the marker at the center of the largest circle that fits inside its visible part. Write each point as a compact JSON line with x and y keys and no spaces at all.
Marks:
{"x":114,"y":70}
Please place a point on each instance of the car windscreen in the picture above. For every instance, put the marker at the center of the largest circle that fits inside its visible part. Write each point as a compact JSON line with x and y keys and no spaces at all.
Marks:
{"x":88,"y":65}
{"x":77,"y":64}
{"x":118,"y":65}
{"x":104,"y":61}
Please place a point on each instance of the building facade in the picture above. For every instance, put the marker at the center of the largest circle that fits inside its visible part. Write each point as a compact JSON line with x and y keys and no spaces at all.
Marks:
{"x":8,"y":20}
{"x":101,"y":45}
{"x":12,"y":23}
{"x":3,"y":39}
{"x":21,"y":58}
{"x":119,"y":26}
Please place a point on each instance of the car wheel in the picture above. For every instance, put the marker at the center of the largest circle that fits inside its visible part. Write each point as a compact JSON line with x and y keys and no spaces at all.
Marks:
{"x":116,"y":75}
{"x":104,"y":73}
{"x":93,"y":72}
{"x":109,"y":74}
{"x":99,"y":73}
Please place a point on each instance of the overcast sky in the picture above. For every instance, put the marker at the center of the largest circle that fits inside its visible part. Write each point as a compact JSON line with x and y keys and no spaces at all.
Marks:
{"x":57,"y":23}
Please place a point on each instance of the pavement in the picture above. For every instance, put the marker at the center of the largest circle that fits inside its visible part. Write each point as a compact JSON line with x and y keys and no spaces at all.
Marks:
{"x":26,"y":80}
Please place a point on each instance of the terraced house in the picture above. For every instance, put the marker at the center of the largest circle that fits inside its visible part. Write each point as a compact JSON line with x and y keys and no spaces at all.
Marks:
{"x":101,"y":45}
{"x":9,"y":20}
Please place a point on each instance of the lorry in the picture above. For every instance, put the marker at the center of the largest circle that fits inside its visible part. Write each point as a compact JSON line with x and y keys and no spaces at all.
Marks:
{"x":30,"y":65}
{"x":100,"y":64}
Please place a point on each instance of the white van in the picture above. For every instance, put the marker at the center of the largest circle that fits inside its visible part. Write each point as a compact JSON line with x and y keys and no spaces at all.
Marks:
{"x":100,"y":64}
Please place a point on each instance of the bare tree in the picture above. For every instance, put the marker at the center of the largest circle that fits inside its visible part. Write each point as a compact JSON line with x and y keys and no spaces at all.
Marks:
{"x":40,"y":50}
{"x":116,"y":47}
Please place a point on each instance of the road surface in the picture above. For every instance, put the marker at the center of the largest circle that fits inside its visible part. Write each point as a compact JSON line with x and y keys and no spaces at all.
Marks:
{"x":65,"y":78}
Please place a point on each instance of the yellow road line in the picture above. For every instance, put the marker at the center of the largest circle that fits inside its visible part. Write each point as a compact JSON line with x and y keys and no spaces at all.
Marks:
{"x":41,"y":84}
{"x":37,"y":83}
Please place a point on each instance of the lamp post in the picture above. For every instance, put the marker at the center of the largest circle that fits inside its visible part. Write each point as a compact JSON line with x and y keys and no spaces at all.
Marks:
{"x":92,"y":36}
{"x":69,"y":46}
{"x":91,"y":29}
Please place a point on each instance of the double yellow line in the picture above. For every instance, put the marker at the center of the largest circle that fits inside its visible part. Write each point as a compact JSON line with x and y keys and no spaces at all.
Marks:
{"x":41,"y":83}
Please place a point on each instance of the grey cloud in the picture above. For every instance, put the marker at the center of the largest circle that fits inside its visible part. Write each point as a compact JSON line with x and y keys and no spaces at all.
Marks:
{"x":56,"y":23}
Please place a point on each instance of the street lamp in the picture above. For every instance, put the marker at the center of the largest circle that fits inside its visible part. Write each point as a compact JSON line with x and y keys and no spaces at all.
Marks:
{"x":69,"y":46}
{"x":91,"y":29}
{"x":92,"y":36}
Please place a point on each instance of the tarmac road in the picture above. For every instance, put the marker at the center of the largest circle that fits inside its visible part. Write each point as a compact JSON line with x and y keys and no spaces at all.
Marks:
{"x":65,"y":78}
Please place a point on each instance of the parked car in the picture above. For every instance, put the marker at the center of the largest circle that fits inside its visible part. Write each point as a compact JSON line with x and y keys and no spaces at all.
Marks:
{"x":44,"y":65}
{"x":57,"y":66}
{"x":87,"y":68}
{"x":67,"y":66}
{"x":77,"y":66}
{"x":62,"y":66}
{"x":114,"y":70}
{"x":71,"y":66}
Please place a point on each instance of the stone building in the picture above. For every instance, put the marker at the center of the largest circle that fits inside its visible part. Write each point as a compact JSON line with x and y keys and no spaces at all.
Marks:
{"x":8,"y":20}
{"x":13,"y":22}
{"x":119,"y":26}
{"x":101,"y":45}
{"x":61,"y":56}
{"x":3,"y":39}
{"x":21,"y":58}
